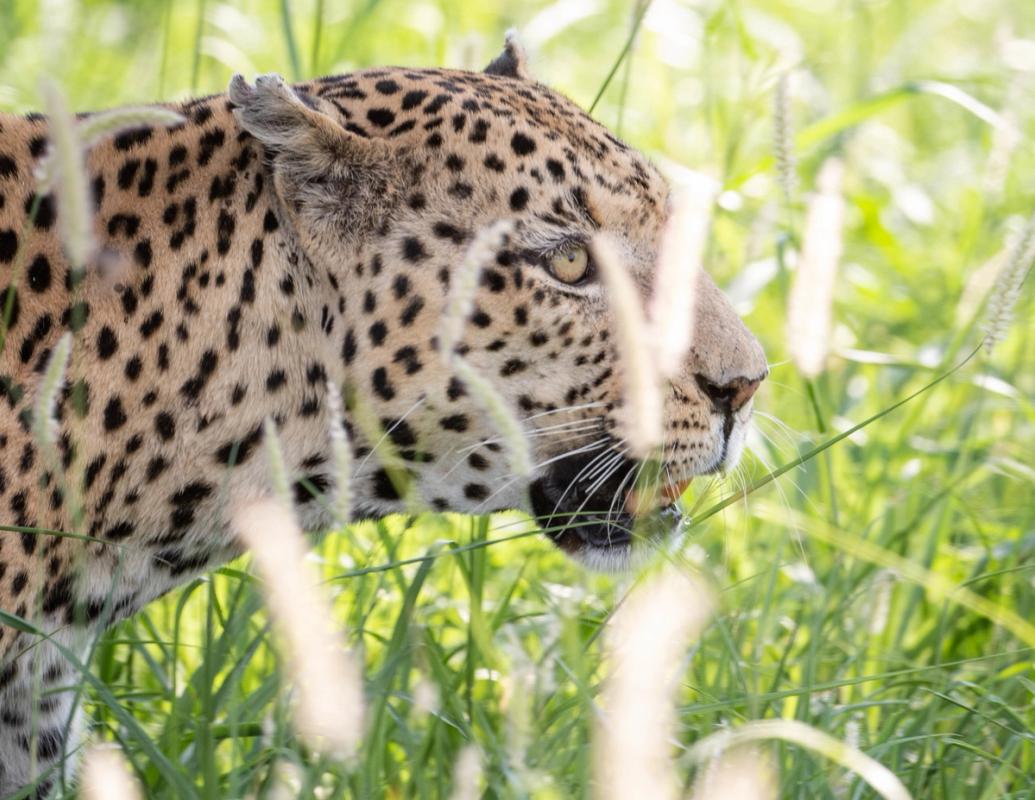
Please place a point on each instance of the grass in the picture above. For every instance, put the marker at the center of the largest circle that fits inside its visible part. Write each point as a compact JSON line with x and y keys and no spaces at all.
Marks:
{"x":878,"y":590}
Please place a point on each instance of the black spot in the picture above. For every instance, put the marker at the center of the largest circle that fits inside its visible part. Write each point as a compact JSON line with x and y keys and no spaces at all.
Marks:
{"x":119,"y":531}
{"x":127,"y":172}
{"x":556,"y":169}
{"x":413,"y":249}
{"x":107,"y":343}
{"x":155,"y":467}
{"x":519,"y":199}
{"x":39,"y":274}
{"x":521,"y":144}
{"x":476,"y":491}
{"x":409,"y":314}
{"x":383,"y":486}
{"x":382,"y":386}
{"x":456,"y":422}
{"x":378,"y":331}
{"x":8,"y":246}
{"x":387,"y":86}
{"x":165,"y":425}
{"x":8,"y":167}
{"x":131,"y":138}
{"x":446,"y":231}
{"x":275,"y":380}
{"x":114,"y":414}
{"x":413,"y":99}
{"x":142,"y":253}
{"x":381,"y":117}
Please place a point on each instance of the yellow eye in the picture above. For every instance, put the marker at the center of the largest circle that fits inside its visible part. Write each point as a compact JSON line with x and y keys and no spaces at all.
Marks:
{"x":570,"y":266}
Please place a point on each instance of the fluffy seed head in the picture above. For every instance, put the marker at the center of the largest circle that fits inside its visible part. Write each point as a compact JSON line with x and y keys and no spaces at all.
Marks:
{"x":646,"y":641}
{"x":499,"y":412}
{"x":329,"y":694}
{"x":106,"y":776}
{"x":44,"y":424}
{"x":783,"y":139}
{"x":810,"y":308}
{"x":280,"y":476}
{"x":68,"y":178}
{"x":673,"y":300}
{"x":743,"y":773}
{"x":643,"y":411}
{"x":467,"y":775}
{"x":1007,"y":287}
{"x":464,"y":283}
{"x":341,"y":454}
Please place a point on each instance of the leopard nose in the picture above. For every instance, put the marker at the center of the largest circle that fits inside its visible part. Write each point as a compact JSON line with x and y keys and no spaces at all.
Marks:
{"x":729,"y":397}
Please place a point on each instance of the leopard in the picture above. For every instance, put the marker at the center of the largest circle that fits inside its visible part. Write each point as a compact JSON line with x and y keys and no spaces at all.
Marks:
{"x":282,"y":242}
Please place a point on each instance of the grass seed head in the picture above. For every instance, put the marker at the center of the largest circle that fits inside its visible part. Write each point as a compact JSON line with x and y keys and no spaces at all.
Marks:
{"x":280,"y":475}
{"x":467,"y":775}
{"x":744,"y":773}
{"x":44,"y":423}
{"x":644,"y":403}
{"x":810,"y":308}
{"x":341,"y":454}
{"x":1007,"y":287}
{"x":67,"y":177}
{"x":674,"y":298}
{"x":499,"y":411}
{"x":106,"y":776}
{"x":646,"y":642}
{"x":464,"y":284}
{"x":783,"y":139}
{"x":329,"y":694}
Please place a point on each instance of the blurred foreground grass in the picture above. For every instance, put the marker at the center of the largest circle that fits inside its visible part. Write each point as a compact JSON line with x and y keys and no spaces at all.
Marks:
{"x":499,"y":645}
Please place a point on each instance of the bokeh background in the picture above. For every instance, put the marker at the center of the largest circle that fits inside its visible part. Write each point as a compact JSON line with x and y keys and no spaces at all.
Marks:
{"x":838,"y":583}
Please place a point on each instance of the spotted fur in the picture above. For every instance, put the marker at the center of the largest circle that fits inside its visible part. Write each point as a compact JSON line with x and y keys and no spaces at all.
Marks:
{"x":287,"y":237}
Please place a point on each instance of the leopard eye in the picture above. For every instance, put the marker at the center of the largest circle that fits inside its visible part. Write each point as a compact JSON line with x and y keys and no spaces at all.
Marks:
{"x":571,"y":266}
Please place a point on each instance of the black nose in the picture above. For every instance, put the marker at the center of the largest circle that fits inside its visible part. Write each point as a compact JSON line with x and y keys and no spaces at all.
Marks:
{"x":729,"y":397}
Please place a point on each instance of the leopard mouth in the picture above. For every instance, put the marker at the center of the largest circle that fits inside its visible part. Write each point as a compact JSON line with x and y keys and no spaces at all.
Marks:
{"x":584,"y":514}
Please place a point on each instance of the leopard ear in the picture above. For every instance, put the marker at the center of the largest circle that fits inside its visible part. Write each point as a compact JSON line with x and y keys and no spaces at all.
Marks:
{"x":333,"y":178}
{"x":512,"y":62}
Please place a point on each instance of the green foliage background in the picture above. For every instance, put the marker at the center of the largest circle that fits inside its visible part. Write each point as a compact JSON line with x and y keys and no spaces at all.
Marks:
{"x":813,"y":624}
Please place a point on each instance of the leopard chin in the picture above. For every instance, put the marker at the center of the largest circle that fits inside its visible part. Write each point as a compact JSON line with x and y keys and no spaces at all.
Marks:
{"x":597,"y":523}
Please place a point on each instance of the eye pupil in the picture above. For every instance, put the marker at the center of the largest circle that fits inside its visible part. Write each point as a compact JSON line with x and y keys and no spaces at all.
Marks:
{"x":570,"y":266}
